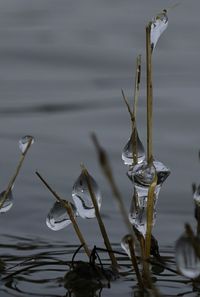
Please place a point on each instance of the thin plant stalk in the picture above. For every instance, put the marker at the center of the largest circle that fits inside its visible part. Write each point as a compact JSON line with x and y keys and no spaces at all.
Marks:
{"x":149,"y":95}
{"x":137,"y":85}
{"x":197,"y":216}
{"x":133,"y":113}
{"x":69,"y":210}
{"x":104,"y":163}
{"x":13,"y":178}
{"x":134,"y":262}
{"x":150,"y":210}
{"x":99,"y":219}
{"x":198,"y":222}
{"x":134,"y":130}
{"x":103,"y":160}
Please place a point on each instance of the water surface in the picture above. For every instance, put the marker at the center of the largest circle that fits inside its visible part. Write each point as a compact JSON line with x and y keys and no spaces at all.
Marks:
{"x":62,"y":67}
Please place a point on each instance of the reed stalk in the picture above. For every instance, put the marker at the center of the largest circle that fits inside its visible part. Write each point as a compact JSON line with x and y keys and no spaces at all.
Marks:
{"x":150,"y":211}
{"x":99,"y":219}
{"x":149,"y":95}
{"x":104,"y":163}
{"x":13,"y":178}
{"x":134,"y":112}
{"x":134,"y":130}
{"x":134,"y":262}
{"x":197,"y":216}
{"x":67,"y":206}
{"x":137,"y":84}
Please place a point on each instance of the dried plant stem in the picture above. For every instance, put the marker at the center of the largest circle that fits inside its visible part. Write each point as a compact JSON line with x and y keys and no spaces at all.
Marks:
{"x":149,"y":95}
{"x":103,"y":160}
{"x":150,"y":210}
{"x":197,"y":216}
{"x":134,"y":130}
{"x":13,"y":178}
{"x":137,"y":84}
{"x":99,"y":219}
{"x":134,"y":262}
{"x":133,"y":113}
{"x":70,"y":212}
{"x":198,"y":222}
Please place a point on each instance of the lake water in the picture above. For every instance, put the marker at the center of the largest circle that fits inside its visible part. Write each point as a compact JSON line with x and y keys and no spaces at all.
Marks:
{"x":62,"y":67}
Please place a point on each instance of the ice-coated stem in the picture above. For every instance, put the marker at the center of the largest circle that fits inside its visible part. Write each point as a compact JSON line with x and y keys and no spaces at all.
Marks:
{"x":99,"y":219}
{"x":13,"y":178}
{"x":150,"y":210}
{"x":133,"y":128}
{"x":149,"y":94}
{"x":104,"y":163}
{"x":69,"y":210}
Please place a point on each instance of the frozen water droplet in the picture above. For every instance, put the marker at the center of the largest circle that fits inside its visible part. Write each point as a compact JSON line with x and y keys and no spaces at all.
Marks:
{"x":58,"y":218}
{"x":8,"y":203}
{"x":158,"y":26}
{"x":23,"y":142}
{"x":127,"y":153}
{"x":187,"y":261}
{"x":138,"y":218}
{"x":82,"y":198}
{"x":125,"y":246}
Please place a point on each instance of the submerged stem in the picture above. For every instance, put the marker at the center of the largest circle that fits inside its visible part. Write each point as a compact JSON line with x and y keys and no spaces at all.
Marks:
{"x":67,"y":206}
{"x":13,"y":178}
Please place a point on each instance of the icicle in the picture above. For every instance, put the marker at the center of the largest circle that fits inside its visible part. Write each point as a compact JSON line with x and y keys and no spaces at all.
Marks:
{"x":127,"y":153}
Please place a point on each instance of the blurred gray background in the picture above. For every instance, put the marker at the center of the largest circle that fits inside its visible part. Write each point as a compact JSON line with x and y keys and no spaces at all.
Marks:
{"x":62,"y":67}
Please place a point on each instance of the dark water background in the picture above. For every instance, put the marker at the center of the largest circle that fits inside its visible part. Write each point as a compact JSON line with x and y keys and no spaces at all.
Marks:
{"x":62,"y":66}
